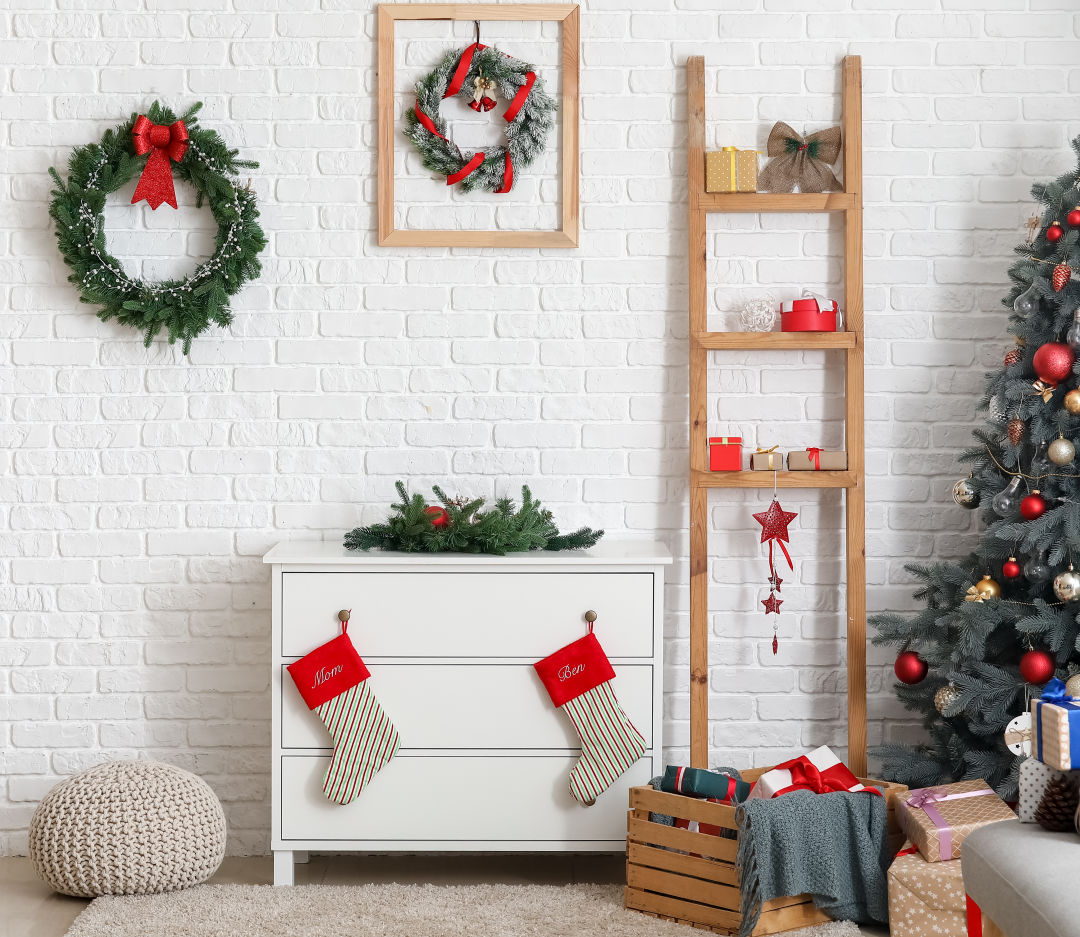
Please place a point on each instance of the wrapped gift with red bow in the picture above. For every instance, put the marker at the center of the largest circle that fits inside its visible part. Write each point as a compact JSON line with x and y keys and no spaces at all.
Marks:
{"x":820,"y":771}
{"x":813,"y":459}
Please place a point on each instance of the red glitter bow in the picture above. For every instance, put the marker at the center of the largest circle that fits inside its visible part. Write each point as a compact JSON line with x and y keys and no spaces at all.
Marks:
{"x":164,"y":144}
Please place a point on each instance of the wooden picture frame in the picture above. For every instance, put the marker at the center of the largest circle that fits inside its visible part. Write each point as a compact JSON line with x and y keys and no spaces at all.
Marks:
{"x":568,"y":15}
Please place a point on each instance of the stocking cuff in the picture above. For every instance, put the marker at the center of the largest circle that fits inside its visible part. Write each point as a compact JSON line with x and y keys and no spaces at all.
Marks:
{"x":328,"y":671}
{"x":574,"y":669}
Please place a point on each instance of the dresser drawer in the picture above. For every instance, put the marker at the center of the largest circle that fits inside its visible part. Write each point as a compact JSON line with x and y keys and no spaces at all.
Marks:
{"x":474,"y":706}
{"x":467,"y":614}
{"x":439,"y":801}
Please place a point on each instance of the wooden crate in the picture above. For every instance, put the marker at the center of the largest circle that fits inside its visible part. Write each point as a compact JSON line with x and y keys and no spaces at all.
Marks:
{"x":699,"y":884}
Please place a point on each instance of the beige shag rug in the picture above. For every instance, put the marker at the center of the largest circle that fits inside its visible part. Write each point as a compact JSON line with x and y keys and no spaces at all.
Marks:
{"x":386,"y":911}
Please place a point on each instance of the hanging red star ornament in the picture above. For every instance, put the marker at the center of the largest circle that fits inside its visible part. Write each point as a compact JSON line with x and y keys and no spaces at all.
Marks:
{"x":774,"y":527}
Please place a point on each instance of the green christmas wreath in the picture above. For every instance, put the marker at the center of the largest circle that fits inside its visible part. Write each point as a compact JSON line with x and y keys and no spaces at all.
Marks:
{"x":459,"y":526}
{"x":476,"y":73}
{"x":183,"y":308}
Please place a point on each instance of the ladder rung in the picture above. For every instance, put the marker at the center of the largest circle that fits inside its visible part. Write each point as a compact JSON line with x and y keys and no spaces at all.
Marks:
{"x":775,"y":341}
{"x":775,"y":201}
{"x":765,"y":479}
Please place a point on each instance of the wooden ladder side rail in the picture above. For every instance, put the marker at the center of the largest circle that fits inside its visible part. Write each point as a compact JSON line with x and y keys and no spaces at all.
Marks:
{"x":699,"y":364}
{"x":855,"y":496}
{"x":849,"y":203}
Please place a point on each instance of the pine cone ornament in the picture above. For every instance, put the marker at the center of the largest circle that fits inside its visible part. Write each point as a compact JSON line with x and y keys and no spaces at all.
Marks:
{"x":1059,"y":279}
{"x":1016,"y":431}
{"x":1057,"y":809}
{"x":1012,"y":357}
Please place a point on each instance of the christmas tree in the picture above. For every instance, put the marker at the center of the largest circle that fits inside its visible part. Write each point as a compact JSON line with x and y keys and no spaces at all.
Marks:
{"x":1003,"y":621}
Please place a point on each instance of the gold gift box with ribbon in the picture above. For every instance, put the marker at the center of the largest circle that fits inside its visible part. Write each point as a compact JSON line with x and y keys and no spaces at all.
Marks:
{"x":766,"y":460}
{"x":731,"y":170}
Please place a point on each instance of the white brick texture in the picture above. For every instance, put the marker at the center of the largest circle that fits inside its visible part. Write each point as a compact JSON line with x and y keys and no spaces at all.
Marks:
{"x":138,"y":489}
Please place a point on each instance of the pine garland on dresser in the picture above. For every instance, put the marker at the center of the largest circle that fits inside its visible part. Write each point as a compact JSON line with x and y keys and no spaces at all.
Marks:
{"x":460,"y":526}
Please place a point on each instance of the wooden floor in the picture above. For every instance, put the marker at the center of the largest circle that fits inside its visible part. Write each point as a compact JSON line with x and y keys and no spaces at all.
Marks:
{"x":29,"y":909}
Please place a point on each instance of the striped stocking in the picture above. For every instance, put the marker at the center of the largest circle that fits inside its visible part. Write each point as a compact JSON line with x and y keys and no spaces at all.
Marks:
{"x":333,"y":681}
{"x":578,"y":680}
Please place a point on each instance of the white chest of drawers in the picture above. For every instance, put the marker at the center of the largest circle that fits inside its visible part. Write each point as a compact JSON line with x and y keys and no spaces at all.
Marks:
{"x":450,"y":641}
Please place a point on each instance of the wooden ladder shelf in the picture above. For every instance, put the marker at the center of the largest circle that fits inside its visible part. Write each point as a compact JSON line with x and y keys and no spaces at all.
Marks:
{"x":702,"y":341}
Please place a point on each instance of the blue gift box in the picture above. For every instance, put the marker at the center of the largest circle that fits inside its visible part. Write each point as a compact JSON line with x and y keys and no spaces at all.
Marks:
{"x":1055,"y":720}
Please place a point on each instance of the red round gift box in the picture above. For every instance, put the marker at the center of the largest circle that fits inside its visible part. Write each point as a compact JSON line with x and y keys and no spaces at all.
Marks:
{"x":806,"y":315}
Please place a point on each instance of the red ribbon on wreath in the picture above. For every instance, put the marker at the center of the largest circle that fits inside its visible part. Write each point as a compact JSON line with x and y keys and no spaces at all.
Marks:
{"x":457,"y":82}
{"x":165,"y":145}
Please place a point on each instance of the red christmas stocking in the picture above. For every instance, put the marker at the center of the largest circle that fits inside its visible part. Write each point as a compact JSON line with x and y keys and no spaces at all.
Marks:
{"x":578,"y":680}
{"x":333,"y":681}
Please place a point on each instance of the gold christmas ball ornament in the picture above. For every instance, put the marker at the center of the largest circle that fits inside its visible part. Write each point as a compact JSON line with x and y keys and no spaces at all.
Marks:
{"x":1015,"y":430}
{"x":988,"y":588}
{"x":945,"y":697}
{"x":1072,"y":401}
{"x":1067,"y":585}
{"x":1072,"y":685}
{"x":1061,"y":451}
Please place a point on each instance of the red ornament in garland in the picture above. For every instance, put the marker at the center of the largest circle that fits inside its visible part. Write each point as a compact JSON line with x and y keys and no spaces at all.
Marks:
{"x":1033,"y":506}
{"x":774,"y":527}
{"x":1055,"y":233}
{"x":1072,"y":219}
{"x":1053,"y":362}
{"x":1010,"y":569}
{"x":1036,"y":666}
{"x":1059,"y":279}
{"x":438,"y":515}
{"x":910,"y":668}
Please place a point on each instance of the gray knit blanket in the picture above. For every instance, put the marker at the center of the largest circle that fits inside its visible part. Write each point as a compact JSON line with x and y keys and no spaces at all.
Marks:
{"x":833,"y":846}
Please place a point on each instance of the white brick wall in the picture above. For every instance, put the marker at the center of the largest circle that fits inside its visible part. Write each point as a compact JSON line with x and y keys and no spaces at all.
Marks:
{"x":138,"y":490}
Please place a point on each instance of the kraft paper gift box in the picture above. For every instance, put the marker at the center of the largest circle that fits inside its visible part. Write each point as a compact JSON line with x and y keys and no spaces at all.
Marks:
{"x":939,"y":819}
{"x":731,"y":170}
{"x":1034,"y":776}
{"x":819,"y":771}
{"x":766,"y":460}
{"x":813,"y":459}
{"x":1055,"y":721}
{"x":926,"y":899}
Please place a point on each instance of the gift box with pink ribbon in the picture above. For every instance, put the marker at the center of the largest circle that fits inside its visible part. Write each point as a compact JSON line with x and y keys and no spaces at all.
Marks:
{"x":939,"y":819}
{"x":820,"y":771}
{"x":1055,"y":719}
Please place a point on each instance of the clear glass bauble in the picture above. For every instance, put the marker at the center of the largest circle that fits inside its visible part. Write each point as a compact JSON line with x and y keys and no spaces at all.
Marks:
{"x":1027,"y":302}
{"x":1072,"y":337}
{"x":1040,"y":461}
{"x":1008,"y":499}
{"x":1037,"y":569}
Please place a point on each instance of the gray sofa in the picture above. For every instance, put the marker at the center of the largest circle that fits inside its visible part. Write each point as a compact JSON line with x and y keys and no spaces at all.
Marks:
{"x":1024,"y":879}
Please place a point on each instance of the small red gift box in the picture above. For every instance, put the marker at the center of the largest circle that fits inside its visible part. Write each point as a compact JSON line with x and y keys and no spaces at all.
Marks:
{"x":808,"y":315}
{"x":725,"y":453}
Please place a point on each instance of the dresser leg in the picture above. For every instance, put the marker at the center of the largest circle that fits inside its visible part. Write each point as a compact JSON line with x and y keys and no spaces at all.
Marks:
{"x":283,"y":867}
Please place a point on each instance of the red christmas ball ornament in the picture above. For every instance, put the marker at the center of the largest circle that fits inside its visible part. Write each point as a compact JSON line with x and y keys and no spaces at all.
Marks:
{"x":1055,"y":233}
{"x":1072,"y":219}
{"x":1010,"y":569}
{"x":1036,"y":666}
{"x":1053,"y":362}
{"x":909,"y":667}
{"x":1033,"y":506}
{"x":438,"y":515}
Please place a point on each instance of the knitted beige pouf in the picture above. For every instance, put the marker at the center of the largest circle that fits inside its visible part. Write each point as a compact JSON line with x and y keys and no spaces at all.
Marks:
{"x":127,"y":828}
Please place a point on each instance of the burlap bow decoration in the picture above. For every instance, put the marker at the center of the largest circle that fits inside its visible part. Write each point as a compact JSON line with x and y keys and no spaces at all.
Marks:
{"x":799,"y":162}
